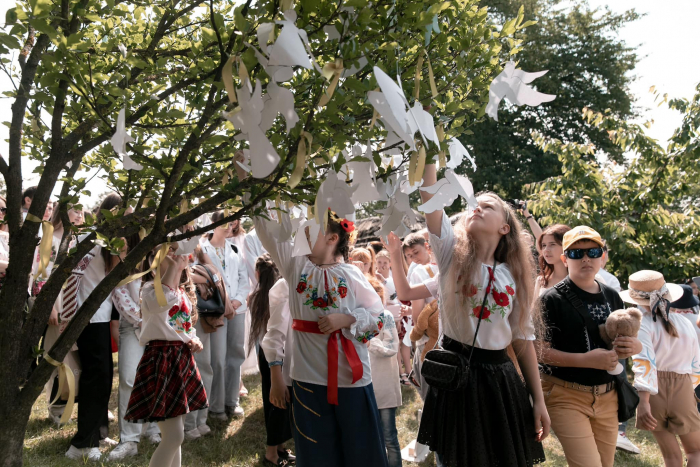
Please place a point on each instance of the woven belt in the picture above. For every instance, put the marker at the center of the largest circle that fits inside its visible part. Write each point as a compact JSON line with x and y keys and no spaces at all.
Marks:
{"x":595,"y":390}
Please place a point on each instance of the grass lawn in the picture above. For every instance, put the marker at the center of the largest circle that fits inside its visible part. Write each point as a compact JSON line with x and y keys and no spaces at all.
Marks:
{"x":241,"y":442}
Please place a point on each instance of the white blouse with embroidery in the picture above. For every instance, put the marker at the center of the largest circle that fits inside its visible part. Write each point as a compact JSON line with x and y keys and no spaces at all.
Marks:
{"x":279,"y":337}
{"x":500,"y":319}
{"x":662,"y":352}
{"x":385,"y":366}
{"x":127,"y":301}
{"x":171,"y":322}
{"x":314,"y":292}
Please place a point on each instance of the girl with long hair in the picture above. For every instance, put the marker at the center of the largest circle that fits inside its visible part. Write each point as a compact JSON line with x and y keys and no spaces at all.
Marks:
{"x":277,"y":420}
{"x":489,"y":421}
{"x":367,"y":258}
{"x":552,"y":269}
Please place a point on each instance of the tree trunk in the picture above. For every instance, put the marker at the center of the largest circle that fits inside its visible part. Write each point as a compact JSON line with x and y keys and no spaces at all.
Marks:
{"x":14,"y":413}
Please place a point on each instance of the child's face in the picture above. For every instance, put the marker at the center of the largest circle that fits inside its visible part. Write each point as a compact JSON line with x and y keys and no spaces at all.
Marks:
{"x":586,"y":268}
{"x":383,"y":264}
{"x":551,"y":250}
{"x":418,"y":254}
{"x":488,"y":218}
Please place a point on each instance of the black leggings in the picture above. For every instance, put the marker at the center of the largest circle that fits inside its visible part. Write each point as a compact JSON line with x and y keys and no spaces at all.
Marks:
{"x":277,"y":421}
{"x":95,"y":386}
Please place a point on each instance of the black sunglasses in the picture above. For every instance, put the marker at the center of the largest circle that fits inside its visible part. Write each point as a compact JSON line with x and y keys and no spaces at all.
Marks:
{"x":577,"y":253}
{"x":3,"y":210}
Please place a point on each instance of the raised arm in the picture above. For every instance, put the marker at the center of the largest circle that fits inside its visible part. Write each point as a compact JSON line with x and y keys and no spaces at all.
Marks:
{"x":404,"y":290}
{"x":433,"y":219}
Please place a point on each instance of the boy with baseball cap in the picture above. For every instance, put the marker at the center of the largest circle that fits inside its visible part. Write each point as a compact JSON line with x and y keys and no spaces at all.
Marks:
{"x":579,"y":392}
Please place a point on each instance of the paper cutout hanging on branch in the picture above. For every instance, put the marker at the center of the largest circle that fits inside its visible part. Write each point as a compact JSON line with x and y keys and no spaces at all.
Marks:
{"x":278,"y":100}
{"x":122,"y":49}
{"x":263,"y":156}
{"x":457,"y":154}
{"x":512,"y":84}
{"x":336,"y":195}
{"x":290,"y":47}
{"x":446,"y":190}
{"x":120,"y":140}
{"x":227,"y":77}
{"x":302,"y":244}
{"x":423,"y":121}
{"x":363,"y":182}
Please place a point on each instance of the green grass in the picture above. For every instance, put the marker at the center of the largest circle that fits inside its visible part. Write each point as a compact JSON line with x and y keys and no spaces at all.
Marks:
{"x":241,"y":442}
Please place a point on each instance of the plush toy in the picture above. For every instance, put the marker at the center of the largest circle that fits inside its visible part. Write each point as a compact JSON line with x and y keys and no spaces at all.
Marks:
{"x":624,"y":323}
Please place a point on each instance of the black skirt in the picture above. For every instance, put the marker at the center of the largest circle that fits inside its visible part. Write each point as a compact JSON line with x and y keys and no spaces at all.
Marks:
{"x":489,"y":422}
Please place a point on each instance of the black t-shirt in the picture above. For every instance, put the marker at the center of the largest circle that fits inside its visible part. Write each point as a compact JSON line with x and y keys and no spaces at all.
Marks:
{"x":568,"y":333}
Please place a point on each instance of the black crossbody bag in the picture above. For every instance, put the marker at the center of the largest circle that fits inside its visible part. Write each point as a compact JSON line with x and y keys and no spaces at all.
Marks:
{"x":447,"y":370}
{"x":627,"y":396}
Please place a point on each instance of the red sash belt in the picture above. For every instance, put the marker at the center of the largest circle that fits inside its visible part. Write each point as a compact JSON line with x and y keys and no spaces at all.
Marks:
{"x":350,"y":353}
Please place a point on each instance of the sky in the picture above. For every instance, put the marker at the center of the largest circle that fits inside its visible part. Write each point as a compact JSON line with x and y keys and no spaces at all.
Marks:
{"x":667,"y":38}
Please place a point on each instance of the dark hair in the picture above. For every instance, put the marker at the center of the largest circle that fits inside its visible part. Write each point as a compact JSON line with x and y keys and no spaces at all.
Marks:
{"x":344,"y":238}
{"x":111,"y":201}
{"x":416,"y":238}
{"x":260,"y":298}
{"x":557,"y":231}
{"x":28,"y":193}
{"x":238,"y":230}
{"x":376,"y":246}
{"x":216,"y":216}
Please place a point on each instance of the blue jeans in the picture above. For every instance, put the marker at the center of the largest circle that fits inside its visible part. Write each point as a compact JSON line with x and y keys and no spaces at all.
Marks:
{"x":387,"y":417}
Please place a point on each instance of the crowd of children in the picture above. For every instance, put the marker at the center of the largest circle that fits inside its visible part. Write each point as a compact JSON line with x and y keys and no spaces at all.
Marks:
{"x":338,"y":331}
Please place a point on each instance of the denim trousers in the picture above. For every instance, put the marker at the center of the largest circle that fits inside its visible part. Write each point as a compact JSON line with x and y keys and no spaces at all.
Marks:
{"x":387,"y":418}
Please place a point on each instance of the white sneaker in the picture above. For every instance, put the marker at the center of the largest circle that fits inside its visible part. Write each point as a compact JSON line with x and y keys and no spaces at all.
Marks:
{"x":154,"y":438}
{"x":108,"y":443}
{"x":91,"y":454}
{"x":110,"y":416}
{"x":235,"y":412}
{"x":218,"y":416}
{"x":123,"y":450}
{"x":624,"y":444}
{"x":55,"y":413}
{"x":204,"y":429}
{"x":191,"y":435}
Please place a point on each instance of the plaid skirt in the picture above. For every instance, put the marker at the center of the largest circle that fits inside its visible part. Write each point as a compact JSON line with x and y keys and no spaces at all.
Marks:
{"x":167,"y":384}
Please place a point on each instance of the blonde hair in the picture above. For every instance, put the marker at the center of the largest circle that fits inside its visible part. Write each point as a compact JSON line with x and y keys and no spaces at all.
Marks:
{"x":366,"y":256}
{"x":511,"y":250}
{"x":379,"y":288}
{"x":384,"y":254}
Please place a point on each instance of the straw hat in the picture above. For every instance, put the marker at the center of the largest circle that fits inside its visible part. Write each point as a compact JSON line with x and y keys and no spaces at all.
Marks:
{"x":645,"y":284}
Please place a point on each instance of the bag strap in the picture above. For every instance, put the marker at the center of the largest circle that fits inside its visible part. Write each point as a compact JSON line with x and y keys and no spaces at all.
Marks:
{"x":211,"y":277}
{"x":481,"y":310}
{"x":575,"y":300}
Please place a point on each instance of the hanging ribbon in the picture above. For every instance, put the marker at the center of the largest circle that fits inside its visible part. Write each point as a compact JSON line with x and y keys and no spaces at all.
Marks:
{"x":440,"y":131}
{"x":227,"y":76}
{"x":375,"y":115}
{"x":416,"y":165}
{"x":155,"y":266}
{"x":301,"y":158}
{"x":44,"y":246}
{"x":431,"y":76}
{"x":64,"y":374}
{"x":286,"y":5}
{"x":278,"y":205}
{"x":331,"y":70}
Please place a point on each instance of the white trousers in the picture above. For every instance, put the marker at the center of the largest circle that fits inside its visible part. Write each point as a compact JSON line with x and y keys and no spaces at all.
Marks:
{"x":203,"y":361}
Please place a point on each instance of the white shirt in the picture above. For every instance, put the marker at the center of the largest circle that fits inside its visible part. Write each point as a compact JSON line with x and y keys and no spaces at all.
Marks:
{"x":234,"y":274}
{"x":171,"y":322}
{"x":662,"y":352}
{"x":277,"y":341}
{"x":93,"y":275}
{"x":421,"y":274}
{"x":385,"y":366}
{"x":691,"y":314}
{"x":127,"y":301}
{"x":608,"y":279}
{"x":253,"y":250}
{"x":309,"y":288}
{"x":500,"y":325}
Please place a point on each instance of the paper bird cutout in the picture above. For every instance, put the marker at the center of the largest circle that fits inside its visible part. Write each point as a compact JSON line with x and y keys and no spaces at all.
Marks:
{"x":457,"y":154}
{"x":335,"y":194}
{"x":263,"y":157}
{"x":446,"y":190}
{"x":363,"y":182}
{"x":290,"y":47}
{"x":362,"y":62}
{"x":302,"y":245}
{"x":264,"y":32}
{"x":186,"y":247}
{"x":511,"y":84}
{"x":392,"y":221}
{"x":423,"y":121}
{"x":122,"y":49}
{"x":120,"y":140}
{"x":278,"y":100}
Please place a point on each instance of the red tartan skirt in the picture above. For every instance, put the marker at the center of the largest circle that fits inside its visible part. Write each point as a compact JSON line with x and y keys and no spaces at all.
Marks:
{"x":167,"y":384}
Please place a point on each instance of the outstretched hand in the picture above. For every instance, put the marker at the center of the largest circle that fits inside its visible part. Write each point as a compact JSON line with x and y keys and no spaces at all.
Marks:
{"x":394,"y":245}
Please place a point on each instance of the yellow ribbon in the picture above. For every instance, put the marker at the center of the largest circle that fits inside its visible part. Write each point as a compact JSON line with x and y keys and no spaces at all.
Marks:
{"x":155,"y":265}
{"x":64,"y":374}
{"x":278,"y":203}
{"x":331,"y":70}
{"x":431,"y":77}
{"x":440,"y":131}
{"x":301,"y":158}
{"x":416,"y":165}
{"x":286,"y":5}
{"x":227,"y":76}
{"x":44,"y":246}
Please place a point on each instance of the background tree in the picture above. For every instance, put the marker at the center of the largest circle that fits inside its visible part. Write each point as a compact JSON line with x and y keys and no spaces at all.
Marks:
{"x":647,"y":209}
{"x":165,"y":63}
{"x":589,"y":66}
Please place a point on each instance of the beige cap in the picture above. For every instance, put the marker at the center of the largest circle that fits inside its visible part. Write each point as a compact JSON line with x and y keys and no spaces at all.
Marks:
{"x":581,"y":233}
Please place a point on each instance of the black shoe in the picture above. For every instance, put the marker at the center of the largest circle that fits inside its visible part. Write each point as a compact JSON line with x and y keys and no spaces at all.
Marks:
{"x":287,"y":455}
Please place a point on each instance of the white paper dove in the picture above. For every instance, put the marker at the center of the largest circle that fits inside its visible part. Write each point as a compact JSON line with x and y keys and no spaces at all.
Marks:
{"x":290,"y":47}
{"x":512,"y":84}
{"x":457,"y":154}
{"x":446,"y":190}
{"x":423,"y":121}
{"x":335,"y":194}
{"x":402,"y":203}
{"x":392,"y":221}
{"x":263,"y":157}
{"x":187,"y":247}
{"x":363,"y":182}
{"x":301,"y":244}
{"x":120,"y":140}
{"x":278,"y":100}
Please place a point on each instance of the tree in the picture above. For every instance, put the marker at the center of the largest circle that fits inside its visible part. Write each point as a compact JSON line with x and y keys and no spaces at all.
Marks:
{"x":647,"y":209}
{"x":589,"y":66}
{"x":171,"y":66}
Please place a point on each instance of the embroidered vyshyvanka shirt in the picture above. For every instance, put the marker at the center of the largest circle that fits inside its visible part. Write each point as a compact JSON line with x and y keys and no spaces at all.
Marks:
{"x":172,"y":322}
{"x":317,"y":291}
{"x":459,"y":310}
{"x":663,"y":352}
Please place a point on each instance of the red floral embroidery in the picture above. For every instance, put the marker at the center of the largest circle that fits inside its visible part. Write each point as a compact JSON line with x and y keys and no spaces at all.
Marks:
{"x":301,"y":286}
{"x":320,"y":303}
{"x":510,"y":290}
{"x":501,"y":298}
{"x":173,"y":310}
{"x":187,"y":326}
{"x":485,"y":314}
{"x":380,"y":325}
{"x":343,"y":291}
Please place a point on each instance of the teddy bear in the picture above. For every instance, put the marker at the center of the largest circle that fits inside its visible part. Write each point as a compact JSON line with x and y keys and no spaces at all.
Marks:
{"x":625,"y":323}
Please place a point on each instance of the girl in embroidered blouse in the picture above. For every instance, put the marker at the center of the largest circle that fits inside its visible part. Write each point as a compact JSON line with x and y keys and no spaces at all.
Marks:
{"x":477,"y":424}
